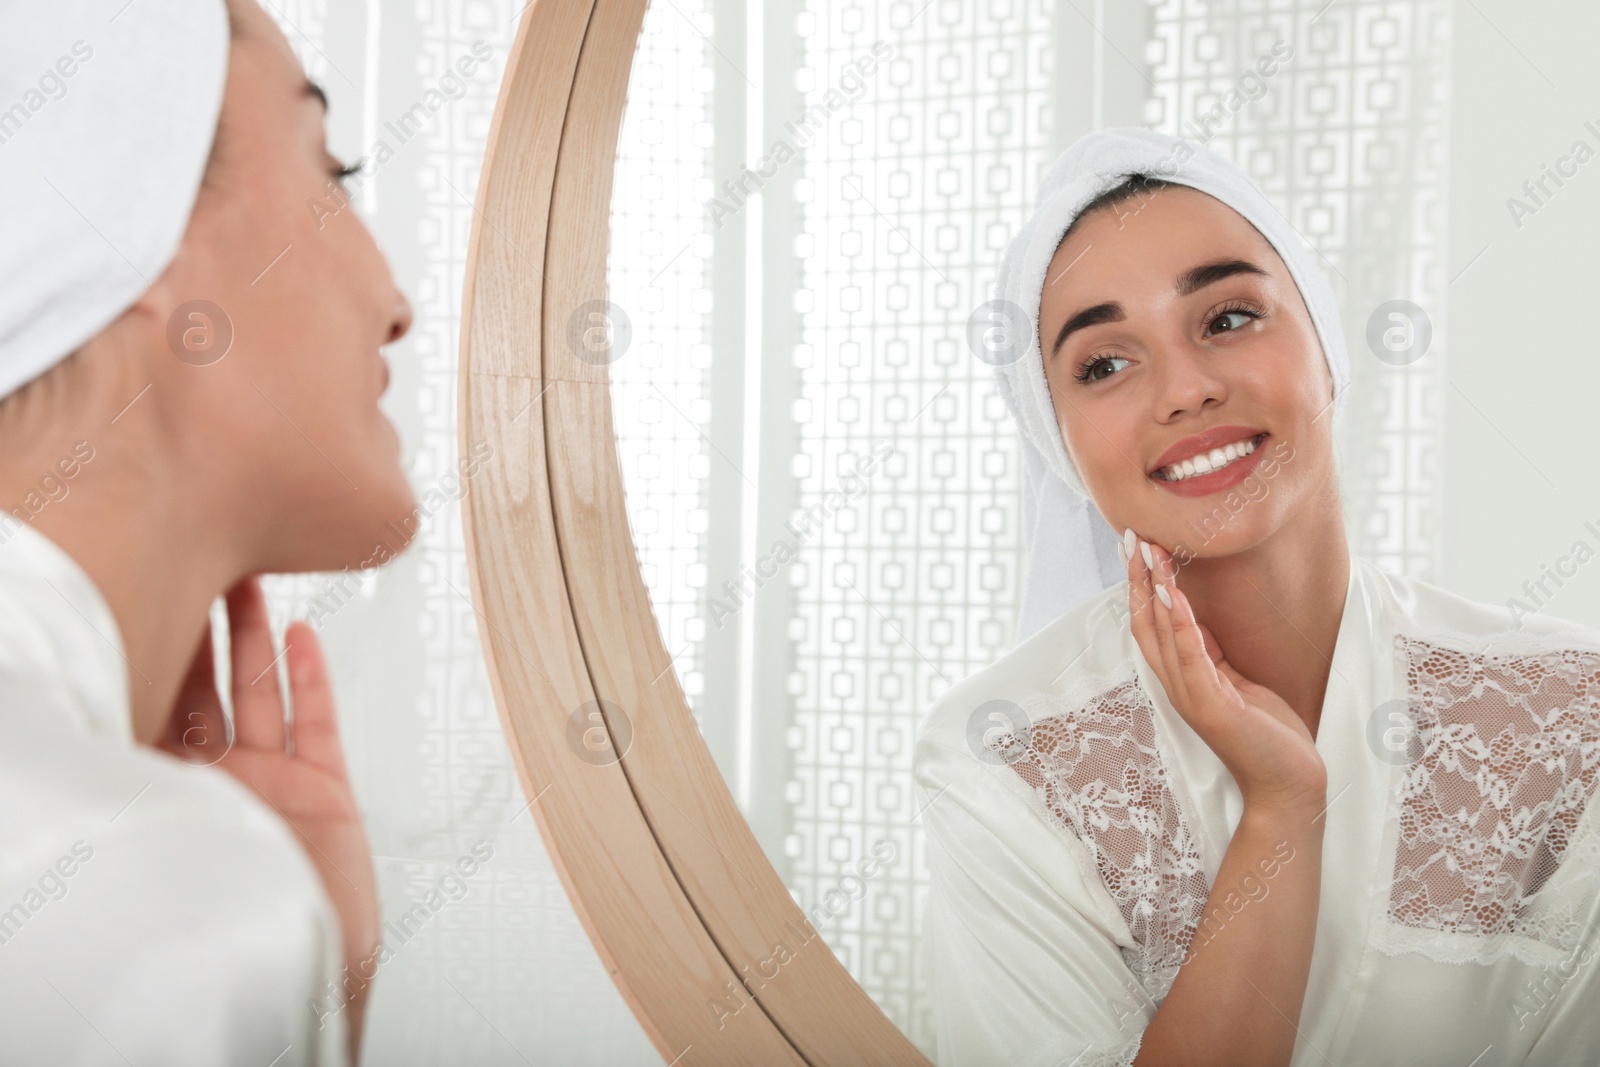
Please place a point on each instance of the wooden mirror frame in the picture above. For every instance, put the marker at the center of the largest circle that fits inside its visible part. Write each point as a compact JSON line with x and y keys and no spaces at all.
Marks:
{"x":680,"y":901}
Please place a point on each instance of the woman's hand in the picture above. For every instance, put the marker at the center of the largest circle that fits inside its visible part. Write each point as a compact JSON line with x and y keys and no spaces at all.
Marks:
{"x":305,"y":783}
{"x":1260,"y":739}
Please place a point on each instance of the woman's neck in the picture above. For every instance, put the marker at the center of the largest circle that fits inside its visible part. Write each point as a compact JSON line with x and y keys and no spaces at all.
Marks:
{"x":1276,"y":608}
{"x":140,"y":518}
{"x":159,"y":577}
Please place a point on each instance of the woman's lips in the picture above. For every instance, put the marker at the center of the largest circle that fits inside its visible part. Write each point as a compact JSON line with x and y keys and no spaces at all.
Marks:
{"x":1225,"y":477}
{"x":1204,"y":441}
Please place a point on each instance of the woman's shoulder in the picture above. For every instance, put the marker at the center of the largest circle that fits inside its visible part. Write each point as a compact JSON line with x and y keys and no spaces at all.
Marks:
{"x":179,"y":866}
{"x":1079,"y":652}
{"x":59,"y":786}
{"x":1427,"y":613}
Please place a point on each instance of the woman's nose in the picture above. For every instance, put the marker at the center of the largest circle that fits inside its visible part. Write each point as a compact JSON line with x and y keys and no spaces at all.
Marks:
{"x":1187,"y":381}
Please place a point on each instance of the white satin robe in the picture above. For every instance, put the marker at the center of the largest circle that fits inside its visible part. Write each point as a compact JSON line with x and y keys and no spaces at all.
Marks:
{"x":1075,"y":825}
{"x":152,"y":913}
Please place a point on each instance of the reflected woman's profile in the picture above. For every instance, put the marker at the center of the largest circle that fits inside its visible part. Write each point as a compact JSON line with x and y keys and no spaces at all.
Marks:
{"x":1263,"y":801}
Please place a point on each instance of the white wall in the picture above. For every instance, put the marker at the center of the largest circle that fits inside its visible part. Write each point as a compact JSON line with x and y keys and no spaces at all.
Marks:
{"x":1520,"y":410}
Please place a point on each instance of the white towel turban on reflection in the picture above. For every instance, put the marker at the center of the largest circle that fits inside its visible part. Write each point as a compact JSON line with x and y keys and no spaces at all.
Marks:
{"x":1071,"y":550}
{"x":107,"y":113}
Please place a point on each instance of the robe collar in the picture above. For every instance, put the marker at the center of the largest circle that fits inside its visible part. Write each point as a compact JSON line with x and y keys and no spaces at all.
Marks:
{"x":67,"y":659}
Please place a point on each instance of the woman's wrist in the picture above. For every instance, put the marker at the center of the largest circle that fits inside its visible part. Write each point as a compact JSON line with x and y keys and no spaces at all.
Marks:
{"x":1301,"y":819}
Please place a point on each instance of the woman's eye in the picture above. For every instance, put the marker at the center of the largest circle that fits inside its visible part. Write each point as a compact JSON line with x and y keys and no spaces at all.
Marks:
{"x":1091,"y":370}
{"x":350,"y":170}
{"x":1244,"y":316}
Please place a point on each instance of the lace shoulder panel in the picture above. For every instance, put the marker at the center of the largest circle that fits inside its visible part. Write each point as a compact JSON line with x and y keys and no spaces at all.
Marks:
{"x":1095,"y":771}
{"x":1507,"y":742}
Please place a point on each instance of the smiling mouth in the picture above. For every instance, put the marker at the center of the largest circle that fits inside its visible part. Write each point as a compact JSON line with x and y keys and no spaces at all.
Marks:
{"x":1207,"y":462}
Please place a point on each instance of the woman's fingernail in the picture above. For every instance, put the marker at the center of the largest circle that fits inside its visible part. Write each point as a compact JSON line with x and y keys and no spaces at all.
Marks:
{"x":1128,"y":541}
{"x":1144,"y":550}
{"x":1122,"y":551}
{"x":1166,"y":597}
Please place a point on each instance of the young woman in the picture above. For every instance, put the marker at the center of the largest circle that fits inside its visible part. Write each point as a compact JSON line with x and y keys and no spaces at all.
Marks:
{"x":1261,"y":802}
{"x":190,"y":366}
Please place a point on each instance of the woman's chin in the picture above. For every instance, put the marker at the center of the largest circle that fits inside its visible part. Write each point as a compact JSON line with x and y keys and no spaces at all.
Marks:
{"x":400,"y":517}
{"x":386,"y":524}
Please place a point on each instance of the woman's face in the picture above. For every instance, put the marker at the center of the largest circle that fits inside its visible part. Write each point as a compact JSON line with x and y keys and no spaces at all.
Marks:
{"x":1160,"y":363}
{"x":288,"y":417}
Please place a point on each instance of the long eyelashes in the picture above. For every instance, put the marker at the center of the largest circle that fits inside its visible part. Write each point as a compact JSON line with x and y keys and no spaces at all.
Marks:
{"x":1088,"y":367}
{"x":1244,"y":307}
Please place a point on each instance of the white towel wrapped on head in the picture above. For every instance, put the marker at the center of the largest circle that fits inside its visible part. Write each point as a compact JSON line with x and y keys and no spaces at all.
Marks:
{"x":107,"y":114}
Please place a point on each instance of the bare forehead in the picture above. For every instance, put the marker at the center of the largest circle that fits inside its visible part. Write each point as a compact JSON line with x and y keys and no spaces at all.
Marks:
{"x":254,"y":29}
{"x":1154,"y":236}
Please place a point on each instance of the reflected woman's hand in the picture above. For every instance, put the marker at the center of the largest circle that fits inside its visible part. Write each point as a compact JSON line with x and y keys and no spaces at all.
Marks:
{"x":1260,"y":739}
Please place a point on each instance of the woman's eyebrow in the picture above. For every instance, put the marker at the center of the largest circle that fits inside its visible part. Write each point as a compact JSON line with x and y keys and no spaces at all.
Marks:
{"x":1199,"y":277}
{"x":1191,"y":280}
{"x":312,"y":89}
{"x":1090,"y":316}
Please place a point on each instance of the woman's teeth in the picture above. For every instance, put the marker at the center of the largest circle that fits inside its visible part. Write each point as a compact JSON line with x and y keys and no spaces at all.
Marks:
{"x":1206,"y":462}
